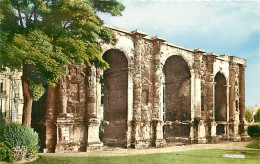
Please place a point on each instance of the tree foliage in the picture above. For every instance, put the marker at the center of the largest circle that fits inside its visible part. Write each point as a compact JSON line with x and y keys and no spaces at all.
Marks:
{"x":43,"y":36}
{"x":257,"y":116}
{"x":248,"y":116}
{"x":48,"y":34}
{"x":112,"y":6}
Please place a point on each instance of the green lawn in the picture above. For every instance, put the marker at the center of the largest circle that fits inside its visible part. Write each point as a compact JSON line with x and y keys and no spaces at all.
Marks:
{"x":255,"y":144}
{"x":196,"y":157}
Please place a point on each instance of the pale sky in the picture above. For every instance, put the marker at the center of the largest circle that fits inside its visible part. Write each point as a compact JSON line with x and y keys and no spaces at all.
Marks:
{"x":223,"y":27}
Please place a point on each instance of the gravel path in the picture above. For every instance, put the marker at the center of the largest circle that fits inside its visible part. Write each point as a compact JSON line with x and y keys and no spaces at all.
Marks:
{"x":110,"y":151}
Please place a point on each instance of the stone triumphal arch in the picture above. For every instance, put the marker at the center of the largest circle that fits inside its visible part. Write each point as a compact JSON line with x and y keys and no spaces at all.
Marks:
{"x":153,"y":93}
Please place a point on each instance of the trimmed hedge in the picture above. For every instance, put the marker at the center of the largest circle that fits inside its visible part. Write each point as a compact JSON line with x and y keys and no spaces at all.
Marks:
{"x":254,"y":131}
{"x":19,"y":135}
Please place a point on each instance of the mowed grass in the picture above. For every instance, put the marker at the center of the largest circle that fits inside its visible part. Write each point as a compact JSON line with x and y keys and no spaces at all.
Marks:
{"x":255,"y":144}
{"x":190,"y":157}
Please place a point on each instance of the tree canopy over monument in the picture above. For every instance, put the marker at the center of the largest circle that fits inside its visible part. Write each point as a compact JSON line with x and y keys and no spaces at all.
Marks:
{"x":40,"y":37}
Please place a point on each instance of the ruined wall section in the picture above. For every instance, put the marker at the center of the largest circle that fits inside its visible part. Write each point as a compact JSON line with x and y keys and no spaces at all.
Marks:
{"x":229,"y":67}
{"x":51,"y":105}
{"x":71,"y":123}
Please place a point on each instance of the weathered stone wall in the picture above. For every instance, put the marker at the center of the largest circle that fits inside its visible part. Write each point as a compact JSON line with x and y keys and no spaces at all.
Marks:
{"x":154,"y":92}
{"x":69,"y":112}
{"x":193,"y":103}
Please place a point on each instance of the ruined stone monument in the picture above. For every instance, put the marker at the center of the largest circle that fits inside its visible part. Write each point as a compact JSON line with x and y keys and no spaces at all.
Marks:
{"x":153,"y":93}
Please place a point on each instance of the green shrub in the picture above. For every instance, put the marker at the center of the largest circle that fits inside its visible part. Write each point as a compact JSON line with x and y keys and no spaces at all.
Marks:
{"x":19,"y":135}
{"x":31,"y":153}
{"x":254,"y":131}
{"x":5,"y":152}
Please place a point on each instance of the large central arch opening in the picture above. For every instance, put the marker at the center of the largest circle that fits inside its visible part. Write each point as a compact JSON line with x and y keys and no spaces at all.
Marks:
{"x":177,"y":99}
{"x":220,"y":111}
{"x":115,"y":98}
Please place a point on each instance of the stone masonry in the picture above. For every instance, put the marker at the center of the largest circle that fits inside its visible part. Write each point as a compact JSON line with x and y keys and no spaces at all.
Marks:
{"x":153,"y":93}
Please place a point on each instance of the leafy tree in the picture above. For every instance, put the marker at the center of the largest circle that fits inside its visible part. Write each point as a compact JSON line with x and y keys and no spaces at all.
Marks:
{"x":248,"y":116}
{"x":40,"y":37}
{"x":257,"y":116}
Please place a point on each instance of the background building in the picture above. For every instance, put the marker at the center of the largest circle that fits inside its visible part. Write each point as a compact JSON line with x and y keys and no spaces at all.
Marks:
{"x":11,"y":96}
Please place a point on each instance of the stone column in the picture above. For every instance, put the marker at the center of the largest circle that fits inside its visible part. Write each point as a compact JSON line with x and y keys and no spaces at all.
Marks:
{"x":13,"y":103}
{"x":193,"y":133}
{"x":50,"y":122}
{"x":63,"y":94}
{"x":130,"y":98}
{"x":137,"y":89}
{"x":232,"y":97}
{"x":199,"y":124}
{"x":232,"y":91}
{"x":7,"y":105}
{"x":157,"y":121}
{"x":227,"y":127}
{"x":211,"y":125}
{"x":93,"y":122}
{"x":197,"y":81}
{"x":98,"y":93}
{"x":243,"y":123}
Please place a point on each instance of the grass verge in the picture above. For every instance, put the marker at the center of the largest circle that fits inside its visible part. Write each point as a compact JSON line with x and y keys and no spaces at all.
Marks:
{"x":255,"y":144}
{"x":190,"y":157}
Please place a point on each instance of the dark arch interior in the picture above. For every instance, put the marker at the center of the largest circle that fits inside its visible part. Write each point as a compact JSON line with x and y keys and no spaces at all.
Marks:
{"x":177,"y":97}
{"x":220,"y":102}
{"x":115,"y":98}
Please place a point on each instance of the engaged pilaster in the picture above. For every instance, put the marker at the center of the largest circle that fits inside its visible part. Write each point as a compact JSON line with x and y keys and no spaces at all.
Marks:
{"x":243,"y":123}
{"x":137,"y":89}
{"x":157,"y":121}
{"x":200,"y":136}
{"x":92,"y":110}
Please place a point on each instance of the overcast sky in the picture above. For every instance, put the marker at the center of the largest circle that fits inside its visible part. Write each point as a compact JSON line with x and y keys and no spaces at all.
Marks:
{"x":223,"y":27}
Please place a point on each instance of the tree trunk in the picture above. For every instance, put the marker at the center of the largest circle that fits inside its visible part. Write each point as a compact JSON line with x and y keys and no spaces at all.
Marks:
{"x":27,"y":95}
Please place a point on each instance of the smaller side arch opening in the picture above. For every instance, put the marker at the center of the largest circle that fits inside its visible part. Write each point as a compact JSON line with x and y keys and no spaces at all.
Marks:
{"x":220,"y":103}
